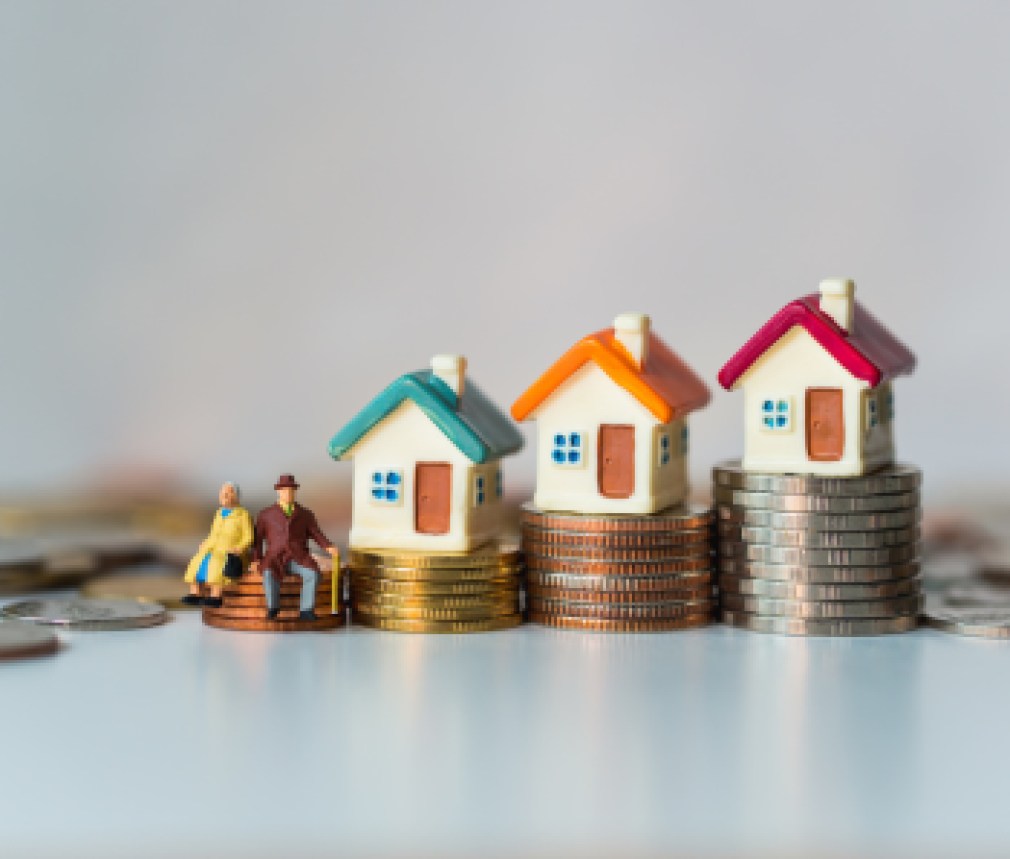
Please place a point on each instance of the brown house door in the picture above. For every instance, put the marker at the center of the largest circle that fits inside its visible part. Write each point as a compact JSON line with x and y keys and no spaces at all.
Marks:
{"x":825,"y":424}
{"x":616,"y":461}
{"x":432,"y":494}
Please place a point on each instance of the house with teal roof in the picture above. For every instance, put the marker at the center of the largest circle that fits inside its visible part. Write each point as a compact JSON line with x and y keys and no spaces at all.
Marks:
{"x":427,"y":457}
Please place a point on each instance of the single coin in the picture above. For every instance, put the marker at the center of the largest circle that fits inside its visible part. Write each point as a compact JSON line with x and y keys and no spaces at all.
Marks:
{"x":661,"y":554}
{"x":823,"y":610}
{"x":20,"y":640}
{"x":686,"y":517}
{"x":261,"y":624}
{"x":503,"y":554}
{"x":982,"y":621}
{"x":576,"y":566}
{"x":166,"y":590}
{"x":757,"y":517}
{"x":535,"y":592}
{"x":618,"y":540}
{"x":802,"y":626}
{"x":433,"y":614}
{"x":245,"y":612}
{"x":88,"y":614}
{"x":818,"y":557}
{"x":489,"y":624}
{"x":818,"y":539}
{"x":600,"y":624}
{"x":619,"y":584}
{"x":635,"y":611}
{"x":816,"y":503}
{"x":812,"y":574}
{"x":488,"y":587}
{"x":730,"y":584}
{"x":433,"y":574}
{"x":977,"y":595}
{"x":484,"y":604}
{"x":887,"y":481}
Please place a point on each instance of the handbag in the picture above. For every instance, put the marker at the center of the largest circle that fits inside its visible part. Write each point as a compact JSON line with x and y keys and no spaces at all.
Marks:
{"x":233,"y":568}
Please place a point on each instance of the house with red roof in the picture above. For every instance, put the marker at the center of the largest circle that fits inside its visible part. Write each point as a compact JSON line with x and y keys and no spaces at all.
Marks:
{"x":611,"y":418}
{"x":817,"y":387}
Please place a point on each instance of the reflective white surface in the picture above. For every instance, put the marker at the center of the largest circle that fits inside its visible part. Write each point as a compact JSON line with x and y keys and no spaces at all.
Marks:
{"x":185,"y":740}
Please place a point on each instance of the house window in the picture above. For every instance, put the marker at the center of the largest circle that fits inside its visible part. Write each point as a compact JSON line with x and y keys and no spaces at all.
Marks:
{"x":498,"y":485}
{"x":387,"y":487}
{"x":663,"y":451}
{"x":685,"y":438}
{"x":889,"y":407}
{"x":777,"y":414}
{"x":872,"y":412}
{"x":568,"y":449}
{"x":479,"y":490}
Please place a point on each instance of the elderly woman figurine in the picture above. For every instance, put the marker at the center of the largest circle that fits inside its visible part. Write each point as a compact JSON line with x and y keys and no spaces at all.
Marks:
{"x":223,"y":553}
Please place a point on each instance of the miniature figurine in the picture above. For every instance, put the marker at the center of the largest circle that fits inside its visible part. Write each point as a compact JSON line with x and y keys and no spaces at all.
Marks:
{"x":612,"y":423}
{"x":284,"y":529}
{"x":817,"y":387}
{"x":223,"y":554}
{"x":427,"y":462}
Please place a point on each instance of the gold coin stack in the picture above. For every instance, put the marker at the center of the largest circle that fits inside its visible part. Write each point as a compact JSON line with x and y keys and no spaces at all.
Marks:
{"x":613,"y":573}
{"x":809,"y":555}
{"x":477,"y":591}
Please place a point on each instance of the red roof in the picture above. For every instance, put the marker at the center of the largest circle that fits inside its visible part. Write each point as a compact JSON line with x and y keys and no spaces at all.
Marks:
{"x":869,"y":351}
{"x":666,"y":386}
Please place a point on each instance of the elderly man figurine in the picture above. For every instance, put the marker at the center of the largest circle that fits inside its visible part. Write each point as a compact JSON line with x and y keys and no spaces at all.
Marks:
{"x":281,"y":545}
{"x":222,"y":553}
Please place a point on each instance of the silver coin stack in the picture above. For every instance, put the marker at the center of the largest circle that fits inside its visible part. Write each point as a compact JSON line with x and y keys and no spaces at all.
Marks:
{"x":808,"y":555}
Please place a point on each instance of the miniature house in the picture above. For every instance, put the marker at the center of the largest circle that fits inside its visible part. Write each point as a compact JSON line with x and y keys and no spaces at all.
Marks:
{"x":427,"y":462}
{"x":611,"y":419}
{"x":817,"y":387}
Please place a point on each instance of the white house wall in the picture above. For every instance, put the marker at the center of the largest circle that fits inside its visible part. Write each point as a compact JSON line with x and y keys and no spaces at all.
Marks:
{"x":584,"y":401}
{"x":405,"y":437}
{"x":786,"y":370}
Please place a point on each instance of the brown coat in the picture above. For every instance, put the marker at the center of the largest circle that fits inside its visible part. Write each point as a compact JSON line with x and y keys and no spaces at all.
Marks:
{"x":286,"y":539}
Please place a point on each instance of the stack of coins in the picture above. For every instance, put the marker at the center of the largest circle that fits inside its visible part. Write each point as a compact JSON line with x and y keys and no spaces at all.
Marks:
{"x":476,"y":591}
{"x":244,"y":606}
{"x":808,"y":555}
{"x":619,"y":573}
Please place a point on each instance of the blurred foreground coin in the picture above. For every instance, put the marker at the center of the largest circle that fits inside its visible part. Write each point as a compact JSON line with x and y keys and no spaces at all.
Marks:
{"x":92,"y":614}
{"x":19,"y":640}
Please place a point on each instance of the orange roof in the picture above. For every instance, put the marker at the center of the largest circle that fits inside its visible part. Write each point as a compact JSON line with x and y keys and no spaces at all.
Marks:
{"x":666,"y":386}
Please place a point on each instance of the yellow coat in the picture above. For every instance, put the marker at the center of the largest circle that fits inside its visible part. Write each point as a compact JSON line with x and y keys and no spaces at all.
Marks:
{"x":233,"y":535}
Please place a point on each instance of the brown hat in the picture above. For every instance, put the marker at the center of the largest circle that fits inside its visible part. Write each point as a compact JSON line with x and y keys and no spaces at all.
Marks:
{"x":286,"y":481}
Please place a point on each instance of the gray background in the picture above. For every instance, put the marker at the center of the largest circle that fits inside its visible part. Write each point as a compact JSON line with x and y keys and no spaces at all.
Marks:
{"x":224,"y":226}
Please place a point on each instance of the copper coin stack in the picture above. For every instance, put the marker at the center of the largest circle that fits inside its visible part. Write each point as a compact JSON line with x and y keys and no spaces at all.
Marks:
{"x":244,"y":606}
{"x":403,"y":591}
{"x":612,"y":573}
{"x":810,"y":555}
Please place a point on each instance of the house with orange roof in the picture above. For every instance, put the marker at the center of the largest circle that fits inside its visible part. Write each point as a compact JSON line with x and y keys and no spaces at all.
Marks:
{"x":611,"y":418}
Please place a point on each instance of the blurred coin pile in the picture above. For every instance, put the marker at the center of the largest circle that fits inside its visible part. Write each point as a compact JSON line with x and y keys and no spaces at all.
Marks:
{"x":808,"y":555}
{"x":476,"y":591}
{"x":619,"y":573}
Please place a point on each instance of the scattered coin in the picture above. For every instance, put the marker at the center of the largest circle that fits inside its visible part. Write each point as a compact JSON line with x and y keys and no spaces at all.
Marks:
{"x":983,"y":621}
{"x":166,"y":590}
{"x":888,"y":481}
{"x":802,"y":626}
{"x":20,"y":640}
{"x":88,"y":614}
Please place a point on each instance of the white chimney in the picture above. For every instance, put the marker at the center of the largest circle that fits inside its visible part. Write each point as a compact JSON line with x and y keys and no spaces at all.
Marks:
{"x":836,"y":300}
{"x":451,"y":369}
{"x":632,"y":332}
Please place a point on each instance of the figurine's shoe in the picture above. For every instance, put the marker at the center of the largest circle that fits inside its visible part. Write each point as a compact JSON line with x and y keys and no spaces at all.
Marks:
{"x":212,"y":602}
{"x":272,"y":613}
{"x":192,"y":599}
{"x":307,"y":615}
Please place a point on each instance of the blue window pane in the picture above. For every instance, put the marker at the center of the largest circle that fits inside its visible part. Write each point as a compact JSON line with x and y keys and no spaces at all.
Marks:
{"x":783,"y":406}
{"x":480,"y":497}
{"x":559,"y":440}
{"x":392,"y":495}
{"x":781,"y":421}
{"x":376,"y":477}
{"x":770,"y":422}
{"x":377,"y":494}
{"x":574,"y":456}
{"x":558,"y":456}
{"x":768,"y":406}
{"x":393,"y":479}
{"x":575,"y":439}
{"x":480,"y":482}
{"x":665,"y":442}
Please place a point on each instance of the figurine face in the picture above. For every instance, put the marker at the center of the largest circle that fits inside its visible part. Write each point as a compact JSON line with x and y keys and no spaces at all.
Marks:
{"x":286,"y":495}
{"x":227,"y":496}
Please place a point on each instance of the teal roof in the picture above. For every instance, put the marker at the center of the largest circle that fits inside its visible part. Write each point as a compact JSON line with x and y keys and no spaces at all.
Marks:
{"x":472,"y":422}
